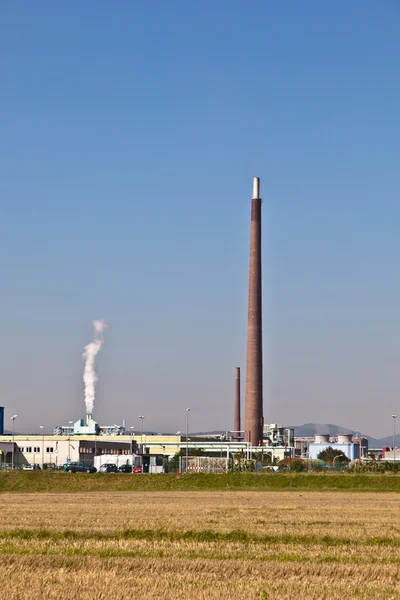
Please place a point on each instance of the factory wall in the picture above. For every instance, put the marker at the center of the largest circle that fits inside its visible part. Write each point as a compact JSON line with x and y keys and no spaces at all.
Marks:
{"x":352,"y":451}
{"x":55,"y":450}
{"x":36,"y":450}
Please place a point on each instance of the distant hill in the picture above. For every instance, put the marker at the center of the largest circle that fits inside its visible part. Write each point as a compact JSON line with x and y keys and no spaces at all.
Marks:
{"x":388,"y":441}
{"x":311,"y":429}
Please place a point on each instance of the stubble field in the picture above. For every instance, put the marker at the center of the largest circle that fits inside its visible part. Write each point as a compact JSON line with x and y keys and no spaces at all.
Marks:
{"x":200,"y":545}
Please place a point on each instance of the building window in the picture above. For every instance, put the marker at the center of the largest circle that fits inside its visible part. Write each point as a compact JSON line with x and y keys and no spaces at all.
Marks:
{"x":28,"y":449}
{"x":36,"y":449}
{"x":49,"y":449}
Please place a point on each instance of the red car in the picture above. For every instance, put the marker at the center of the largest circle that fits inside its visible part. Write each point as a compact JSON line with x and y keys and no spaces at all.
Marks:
{"x":137,"y":470}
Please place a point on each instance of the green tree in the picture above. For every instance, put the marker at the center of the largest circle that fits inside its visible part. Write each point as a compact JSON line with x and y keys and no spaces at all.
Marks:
{"x":329,"y":454}
{"x":297,"y":466}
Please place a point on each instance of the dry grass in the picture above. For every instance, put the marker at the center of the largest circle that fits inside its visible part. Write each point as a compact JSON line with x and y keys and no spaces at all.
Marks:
{"x":247,"y":545}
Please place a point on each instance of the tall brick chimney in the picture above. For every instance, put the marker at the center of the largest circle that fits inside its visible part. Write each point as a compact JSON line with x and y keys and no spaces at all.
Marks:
{"x":254,"y":421}
{"x":236,"y":410}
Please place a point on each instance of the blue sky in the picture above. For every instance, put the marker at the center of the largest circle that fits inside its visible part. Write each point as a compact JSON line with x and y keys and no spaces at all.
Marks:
{"x":130,"y":134}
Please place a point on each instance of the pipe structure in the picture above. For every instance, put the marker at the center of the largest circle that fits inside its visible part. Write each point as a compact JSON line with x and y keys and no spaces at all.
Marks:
{"x":254,"y":421}
{"x":236,"y":408}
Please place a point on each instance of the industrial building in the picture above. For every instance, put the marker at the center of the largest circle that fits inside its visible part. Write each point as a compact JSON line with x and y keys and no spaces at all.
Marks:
{"x":391,"y":454}
{"x":57,"y":450}
{"x":343,"y":442}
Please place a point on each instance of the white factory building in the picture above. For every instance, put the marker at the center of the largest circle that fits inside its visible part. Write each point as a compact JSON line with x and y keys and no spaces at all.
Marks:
{"x":57,"y":450}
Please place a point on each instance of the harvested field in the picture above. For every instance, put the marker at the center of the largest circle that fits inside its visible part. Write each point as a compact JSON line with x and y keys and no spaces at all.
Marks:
{"x":200,"y":545}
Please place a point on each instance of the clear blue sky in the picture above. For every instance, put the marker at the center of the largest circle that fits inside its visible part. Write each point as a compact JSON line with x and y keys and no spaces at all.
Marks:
{"x":130,"y":133}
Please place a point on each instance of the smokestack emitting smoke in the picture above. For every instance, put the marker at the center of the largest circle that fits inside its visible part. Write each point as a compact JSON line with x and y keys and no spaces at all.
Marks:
{"x":254,"y":378}
{"x":89,"y":375}
{"x":236,"y":411}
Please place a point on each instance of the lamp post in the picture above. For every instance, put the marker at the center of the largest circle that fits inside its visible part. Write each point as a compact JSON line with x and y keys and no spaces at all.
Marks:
{"x":69,"y":441}
{"x":12,"y":449}
{"x":187,"y":434}
{"x":141,"y":417}
{"x":394,"y":439}
{"x":42,"y":428}
{"x":132,"y":428}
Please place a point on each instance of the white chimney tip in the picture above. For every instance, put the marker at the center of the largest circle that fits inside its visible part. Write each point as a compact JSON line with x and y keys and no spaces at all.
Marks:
{"x":256,"y":187}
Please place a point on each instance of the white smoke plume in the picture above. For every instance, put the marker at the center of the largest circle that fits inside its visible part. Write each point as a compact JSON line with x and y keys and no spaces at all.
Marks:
{"x":89,"y":375}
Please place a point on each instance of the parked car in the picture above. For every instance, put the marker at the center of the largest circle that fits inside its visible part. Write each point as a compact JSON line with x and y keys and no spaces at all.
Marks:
{"x":108,"y":468}
{"x":31,"y":468}
{"x":137,"y":469}
{"x":125,"y":469}
{"x":79,"y":467}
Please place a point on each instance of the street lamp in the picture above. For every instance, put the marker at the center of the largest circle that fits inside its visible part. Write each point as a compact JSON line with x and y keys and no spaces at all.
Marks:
{"x":394,"y":438}
{"x":69,"y":441}
{"x":42,"y":428}
{"x":132,"y":442}
{"x":141,"y":417}
{"x":187,"y":434}
{"x":13,"y":419}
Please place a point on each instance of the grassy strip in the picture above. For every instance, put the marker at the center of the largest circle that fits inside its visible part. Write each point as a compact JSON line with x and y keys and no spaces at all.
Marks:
{"x":198,"y":554}
{"x":204,"y":535}
{"x":19,"y":481}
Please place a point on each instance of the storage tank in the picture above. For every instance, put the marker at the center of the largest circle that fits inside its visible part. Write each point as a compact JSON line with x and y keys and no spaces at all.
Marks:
{"x":346,"y":438}
{"x":322,"y":438}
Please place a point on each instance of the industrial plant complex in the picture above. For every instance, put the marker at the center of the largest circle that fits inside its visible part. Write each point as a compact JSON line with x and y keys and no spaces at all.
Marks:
{"x":86,"y":441}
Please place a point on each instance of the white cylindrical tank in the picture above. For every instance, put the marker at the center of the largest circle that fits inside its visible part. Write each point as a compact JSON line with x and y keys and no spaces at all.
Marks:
{"x":345,"y":438}
{"x":322,"y":438}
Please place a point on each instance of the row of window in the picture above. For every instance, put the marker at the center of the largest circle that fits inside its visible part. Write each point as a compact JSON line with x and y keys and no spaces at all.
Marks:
{"x":85,"y":450}
{"x":35,"y":449}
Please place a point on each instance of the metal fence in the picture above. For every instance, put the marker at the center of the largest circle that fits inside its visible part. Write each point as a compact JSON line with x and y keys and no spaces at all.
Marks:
{"x":205,"y":464}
